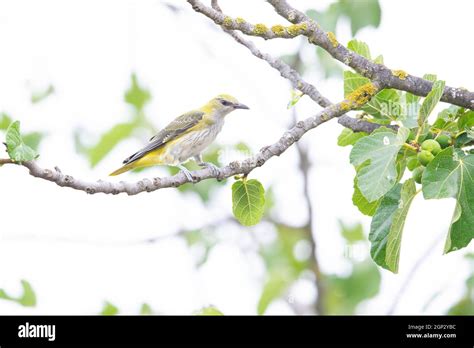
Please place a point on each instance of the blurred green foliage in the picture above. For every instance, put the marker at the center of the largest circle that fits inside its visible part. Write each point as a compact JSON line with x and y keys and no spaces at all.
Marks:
{"x":342,"y":293}
{"x":137,"y":97}
{"x":345,"y":293}
{"x":41,"y":95}
{"x":209,"y":310}
{"x":145,"y":309}
{"x":465,"y":305}
{"x":283,"y":266}
{"x":203,"y":240}
{"x":27,"y":298}
{"x":360,"y":14}
{"x":109,"y":309}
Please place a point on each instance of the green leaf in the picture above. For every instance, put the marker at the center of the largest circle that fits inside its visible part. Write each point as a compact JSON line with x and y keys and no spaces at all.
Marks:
{"x":352,"y":81}
{"x":109,"y":309}
{"x":136,"y":95}
{"x":108,"y":141}
{"x":441,"y":176}
{"x":387,"y":225}
{"x":378,"y":59}
{"x":248,"y":201}
{"x":430,"y":101}
{"x":463,"y":139}
{"x":411,"y":98}
{"x":36,"y":97}
{"x":381,"y":149}
{"x":27,"y":299}
{"x":345,"y":292}
{"x":330,"y":66}
{"x":360,"y":48}
{"x":430,"y":77}
{"x":451,"y":174}
{"x":243,"y":148}
{"x":362,"y":13}
{"x":384,"y":104}
{"x":295,"y":98}
{"x":451,"y":113}
{"x":145,"y":309}
{"x":275,"y":286}
{"x":209,"y":310}
{"x":466,"y":121}
{"x":328,"y":18}
{"x":364,"y":206}
{"x":352,"y":233}
{"x":16,"y":148}
{"x":5,"y":121}
{"x":348,"y":137}
{"x":409,"y":110}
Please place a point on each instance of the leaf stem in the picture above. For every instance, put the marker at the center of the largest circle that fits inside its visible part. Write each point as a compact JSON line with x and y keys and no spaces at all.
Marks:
{"x":410,"y":147}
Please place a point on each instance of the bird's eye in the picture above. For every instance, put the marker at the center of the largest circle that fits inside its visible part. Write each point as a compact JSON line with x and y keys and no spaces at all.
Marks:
{"x":226,"y":103}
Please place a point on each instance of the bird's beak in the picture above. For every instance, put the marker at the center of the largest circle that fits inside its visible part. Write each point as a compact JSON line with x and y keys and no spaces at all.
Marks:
{"x":241,"y":106}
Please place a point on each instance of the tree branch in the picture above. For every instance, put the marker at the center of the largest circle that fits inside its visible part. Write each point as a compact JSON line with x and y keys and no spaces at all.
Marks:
{"x":305,"y":166}
{"x":358,"y":125}
{"x":6,"y":161}
{"x":389,"y":78}
{"x":234,"y":168}
{"x":292,"y":75}
{"x":259,"y":30}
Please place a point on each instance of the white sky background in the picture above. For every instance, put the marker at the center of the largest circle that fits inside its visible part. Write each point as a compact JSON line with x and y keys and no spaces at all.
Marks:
{"x":77,"y":250}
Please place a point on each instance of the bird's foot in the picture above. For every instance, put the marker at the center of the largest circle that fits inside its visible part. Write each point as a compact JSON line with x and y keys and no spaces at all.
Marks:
{"x":214,"y":169}
{"x":186,"y":173}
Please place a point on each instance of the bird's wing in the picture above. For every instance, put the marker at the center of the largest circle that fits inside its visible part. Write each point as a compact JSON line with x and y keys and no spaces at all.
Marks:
{"x":178,"y":126}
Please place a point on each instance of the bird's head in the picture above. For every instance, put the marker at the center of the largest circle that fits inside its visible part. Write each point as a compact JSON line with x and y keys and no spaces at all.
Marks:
{"x":224,"y":103}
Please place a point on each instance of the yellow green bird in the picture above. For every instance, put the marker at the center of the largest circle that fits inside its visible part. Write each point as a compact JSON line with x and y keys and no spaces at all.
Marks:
{"x":185,"y":137}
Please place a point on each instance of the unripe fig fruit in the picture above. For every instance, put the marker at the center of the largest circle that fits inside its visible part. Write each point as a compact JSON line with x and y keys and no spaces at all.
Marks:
{"x":412,"y":163}
{"x":418,"y":173}
{"x":432,"y":146}
{"x":425,"y":157}
{"x":443,"y":140}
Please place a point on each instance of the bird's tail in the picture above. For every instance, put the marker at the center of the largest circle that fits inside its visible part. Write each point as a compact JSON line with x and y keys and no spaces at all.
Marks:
{"x":123,"y":169}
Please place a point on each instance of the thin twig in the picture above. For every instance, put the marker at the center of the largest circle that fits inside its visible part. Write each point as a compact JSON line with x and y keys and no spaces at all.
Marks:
{"x":396,"y":79}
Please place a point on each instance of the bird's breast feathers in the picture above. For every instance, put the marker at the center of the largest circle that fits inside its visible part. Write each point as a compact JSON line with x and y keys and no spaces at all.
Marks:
{"x":192,"y":143}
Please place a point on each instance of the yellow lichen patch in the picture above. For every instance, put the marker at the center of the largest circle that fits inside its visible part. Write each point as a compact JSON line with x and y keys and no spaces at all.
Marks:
{"x":278,"y":30}
{"x":362,"y":95}
{"x":228,"y":22}
{"x":240,"y":20}
{"x":333,"y":39}
{"x":260,"y":29}
{"x":345,"y":106}
{"x":402,"y":75}
{"x":297,"y":29}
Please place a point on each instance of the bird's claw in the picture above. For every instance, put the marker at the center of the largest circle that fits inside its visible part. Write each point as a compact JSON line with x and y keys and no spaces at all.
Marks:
{"x":214,"y":169}
{"x":187,"y":173}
